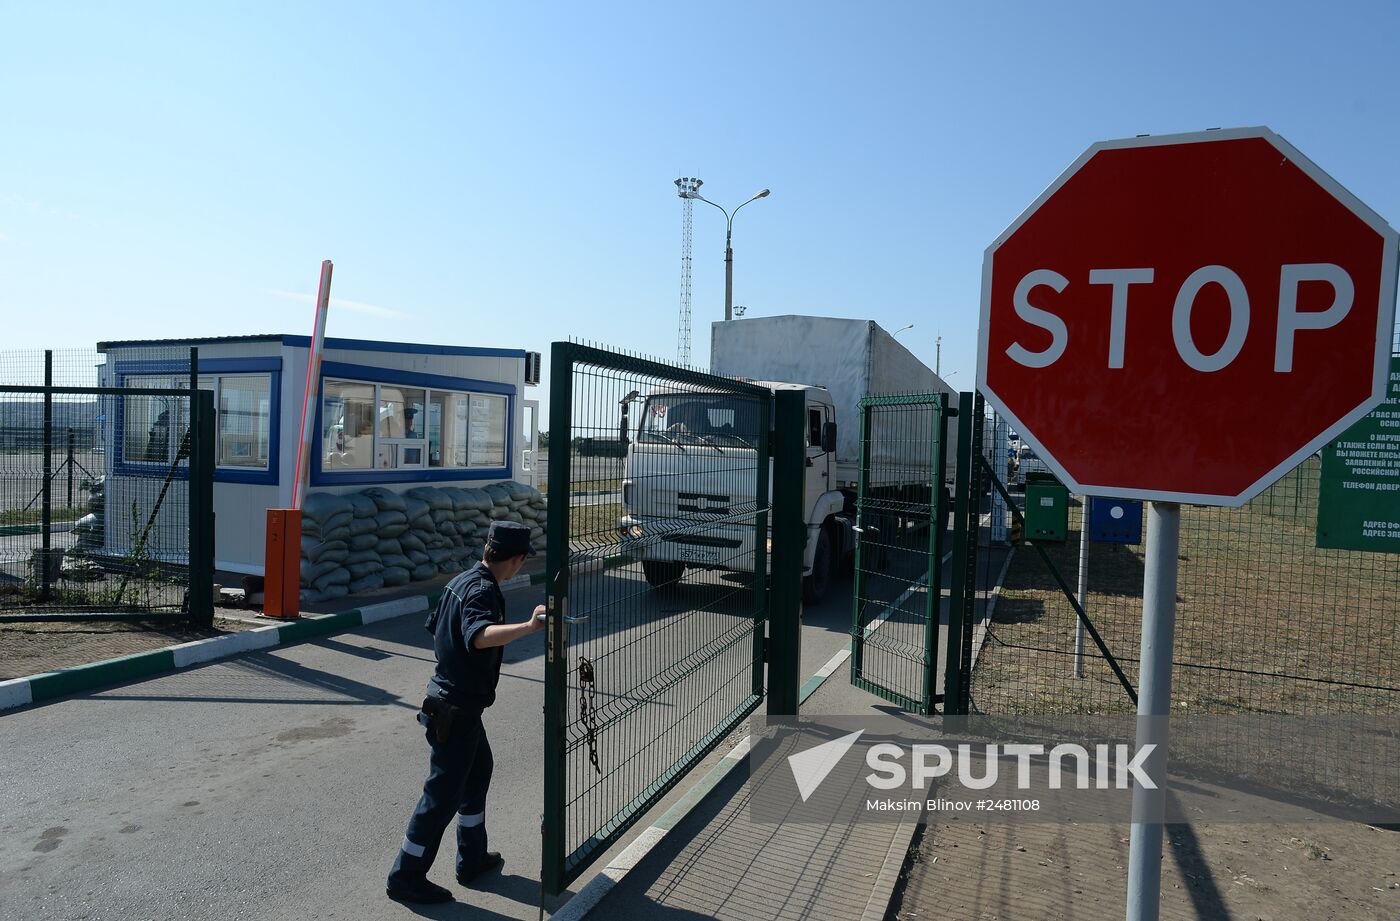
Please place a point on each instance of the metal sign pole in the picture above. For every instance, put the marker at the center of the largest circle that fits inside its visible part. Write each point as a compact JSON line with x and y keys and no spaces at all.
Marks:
{"x":1083,"y":585}
{"x":1154,"y":706}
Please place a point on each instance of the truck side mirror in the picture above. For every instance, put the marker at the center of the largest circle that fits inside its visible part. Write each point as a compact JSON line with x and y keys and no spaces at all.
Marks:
{"x":622,"y":425}
{"x":829,"y":438}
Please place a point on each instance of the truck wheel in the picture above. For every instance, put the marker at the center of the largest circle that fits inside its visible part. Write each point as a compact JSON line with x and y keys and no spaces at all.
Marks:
{"x":662,"y":574}
{"x":814,"y":586}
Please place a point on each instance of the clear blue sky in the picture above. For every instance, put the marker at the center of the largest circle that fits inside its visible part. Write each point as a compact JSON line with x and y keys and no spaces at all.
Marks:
{"x":502,"y":174}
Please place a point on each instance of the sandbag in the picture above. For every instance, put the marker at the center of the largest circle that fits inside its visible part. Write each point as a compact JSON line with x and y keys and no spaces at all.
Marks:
{"x":449,"y":566}
{"x":311,"y":596}
{"x":437,"y":499}
{"x":360,"y":570}
{"x":395,"y":575}
{"x":442,"y":516}
{"x":498,"y":493}
{"x":359,"y":526}
{"x":424,"y":572}
{"x":416,"y":508}
{"x":439,"y":556}
{"x":313,"y":549}
{"x":410,"y":540}
{"x":460,"y":497}
{"x":338,"y":576}
{"x":309,"y":574}
{"x":336,"y":527}
{"x":386,"y":500}
{"x":368,"y":583}
{"x":388,"y":546}
{"x":335,"y":591}
{"x":362,"y":505}
{"x":536,"y":533}
{"x":477,"y":500}
{"x":391,"y":523}
{"x":418,"y":557}
{"x":363,"y":556}
{"x":364,"y":542}
{"x":324,"y":506}
{"x":396,"y":560}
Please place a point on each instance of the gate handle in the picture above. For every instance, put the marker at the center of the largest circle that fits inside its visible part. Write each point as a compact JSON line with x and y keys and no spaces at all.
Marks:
{"x":562,"y":602}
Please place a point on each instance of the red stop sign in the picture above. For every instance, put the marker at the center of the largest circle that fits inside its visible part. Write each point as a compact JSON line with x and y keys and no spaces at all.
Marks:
{"x":1186,"y":318}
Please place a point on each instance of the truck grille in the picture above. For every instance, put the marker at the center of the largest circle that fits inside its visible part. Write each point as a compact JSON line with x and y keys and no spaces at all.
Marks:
{"x":702,"y":503}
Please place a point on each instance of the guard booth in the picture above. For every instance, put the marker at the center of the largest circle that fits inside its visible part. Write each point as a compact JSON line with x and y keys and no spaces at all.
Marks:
{"x":390,"y":414}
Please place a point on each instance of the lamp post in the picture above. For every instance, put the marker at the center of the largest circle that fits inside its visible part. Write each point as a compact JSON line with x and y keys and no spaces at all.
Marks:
{"x":728,"y":242}
{"x":901,"y":329}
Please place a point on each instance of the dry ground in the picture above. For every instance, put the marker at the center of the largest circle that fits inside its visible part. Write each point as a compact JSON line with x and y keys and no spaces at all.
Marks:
{"x":1266,"y":623}
{"x":966,"y":870}
{"x":32,"y":647}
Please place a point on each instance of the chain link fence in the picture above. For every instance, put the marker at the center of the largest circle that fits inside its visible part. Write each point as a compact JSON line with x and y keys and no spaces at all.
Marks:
{"x":95,"y":486}
{"x":1267,"y":622}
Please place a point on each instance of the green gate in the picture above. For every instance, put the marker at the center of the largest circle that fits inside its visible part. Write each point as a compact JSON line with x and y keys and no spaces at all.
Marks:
{"x":900,"y":511}
{"x":657,"y":574}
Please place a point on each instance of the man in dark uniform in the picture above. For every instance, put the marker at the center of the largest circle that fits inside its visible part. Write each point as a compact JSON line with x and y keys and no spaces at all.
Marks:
{"x":469,"y":631}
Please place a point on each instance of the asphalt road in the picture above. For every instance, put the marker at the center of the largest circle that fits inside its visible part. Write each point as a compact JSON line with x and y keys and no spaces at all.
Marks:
{"x":278,"y":784}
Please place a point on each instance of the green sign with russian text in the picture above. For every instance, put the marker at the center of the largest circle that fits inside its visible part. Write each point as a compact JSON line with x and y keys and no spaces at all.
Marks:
{"x":1358,"y":505}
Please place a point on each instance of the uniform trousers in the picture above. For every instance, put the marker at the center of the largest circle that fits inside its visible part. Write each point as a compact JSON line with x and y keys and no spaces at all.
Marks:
{"x":459,"y":775}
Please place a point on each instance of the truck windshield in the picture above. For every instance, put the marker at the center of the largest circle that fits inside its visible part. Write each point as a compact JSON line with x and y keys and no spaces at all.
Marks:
{"x":696,"y":418}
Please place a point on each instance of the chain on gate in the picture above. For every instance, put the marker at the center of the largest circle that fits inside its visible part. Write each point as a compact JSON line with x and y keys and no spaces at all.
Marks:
{"x":587,"y":714}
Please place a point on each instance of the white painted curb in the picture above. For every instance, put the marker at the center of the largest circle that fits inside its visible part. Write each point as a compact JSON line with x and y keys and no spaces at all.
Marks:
{"x":15,"y":693}
{"x":200,"y":651}
{"x":397,"y":608}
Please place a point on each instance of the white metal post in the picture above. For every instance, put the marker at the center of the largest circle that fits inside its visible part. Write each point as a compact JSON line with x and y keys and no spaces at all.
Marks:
{"x":1000,"y":430}
{"x":1083,"y":585}
{"x":1154,"y":707}
{"x":313,"y":375}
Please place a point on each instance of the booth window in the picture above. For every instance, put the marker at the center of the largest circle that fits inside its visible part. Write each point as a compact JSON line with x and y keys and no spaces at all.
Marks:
{"x":154,"y":426}
{"x":245,"y":417}
{"x":149,"y":423}
{"x":367,"y":426}
{"x":347,"y":425}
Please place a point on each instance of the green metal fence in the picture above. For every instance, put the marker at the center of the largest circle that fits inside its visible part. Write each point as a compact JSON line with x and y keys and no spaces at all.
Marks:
{"x":106,"y":494}
{"x":657,"y":587}
{"x":900,"y":512}
{"x":1267,"y":621}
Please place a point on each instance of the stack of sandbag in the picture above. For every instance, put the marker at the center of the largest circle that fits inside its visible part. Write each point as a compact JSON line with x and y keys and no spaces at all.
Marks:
{"x":361,"y":541}
{"x":325,"y":545}
{"x":364,"y":564}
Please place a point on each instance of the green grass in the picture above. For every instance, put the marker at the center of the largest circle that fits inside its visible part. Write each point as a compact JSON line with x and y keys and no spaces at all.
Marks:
{"x":35,"y":515}
{"x":1266,"y":621}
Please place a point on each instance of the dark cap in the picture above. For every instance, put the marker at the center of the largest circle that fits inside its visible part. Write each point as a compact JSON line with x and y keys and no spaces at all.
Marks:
{"x":510,"y":538}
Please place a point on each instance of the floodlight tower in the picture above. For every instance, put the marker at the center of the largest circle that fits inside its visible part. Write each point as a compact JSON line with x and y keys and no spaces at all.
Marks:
{"x":688,"y":189}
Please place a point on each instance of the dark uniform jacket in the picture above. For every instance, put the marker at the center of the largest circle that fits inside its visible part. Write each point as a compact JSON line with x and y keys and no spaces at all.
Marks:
{"x":466,"y":677}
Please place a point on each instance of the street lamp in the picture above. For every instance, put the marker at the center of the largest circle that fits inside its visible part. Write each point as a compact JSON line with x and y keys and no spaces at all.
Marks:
{"x":694,"y":192}
{"x":901,"y":329}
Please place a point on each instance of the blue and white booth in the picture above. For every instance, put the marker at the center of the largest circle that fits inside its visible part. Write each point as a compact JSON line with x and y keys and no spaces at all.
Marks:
{"x":389,"y":414}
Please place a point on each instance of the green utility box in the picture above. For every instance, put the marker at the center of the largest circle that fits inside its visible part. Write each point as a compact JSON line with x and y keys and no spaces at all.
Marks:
{"x":1047,"y":508}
